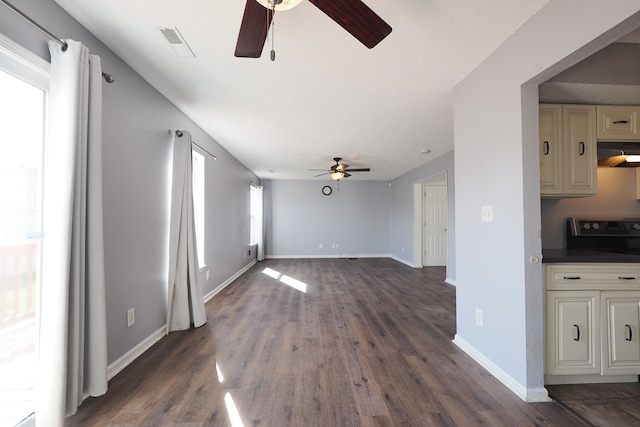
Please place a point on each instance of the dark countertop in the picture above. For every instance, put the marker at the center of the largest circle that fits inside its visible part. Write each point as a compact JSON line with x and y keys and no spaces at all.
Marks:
{"x":553,"y":256}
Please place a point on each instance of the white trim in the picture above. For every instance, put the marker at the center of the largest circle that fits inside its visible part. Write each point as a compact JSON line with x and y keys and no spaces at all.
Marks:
{"x":535,"y":394}
{"x":450,"y":281}
{"x":334,"y":256}
{"x":406,"y":262}
{"x":417,"y":223}
{"x":24,"y":64}
{"x":227,"y":282}
{"x":127,"y":358}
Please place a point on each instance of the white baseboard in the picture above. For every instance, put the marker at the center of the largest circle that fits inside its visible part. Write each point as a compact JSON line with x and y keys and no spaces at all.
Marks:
{"x":404,"y":261}
{"x":332,"y":256}
{"x":533,"y":394}
{"x":227,"y":282}
{"x":127,"y":358}
{"x":450,"y":281}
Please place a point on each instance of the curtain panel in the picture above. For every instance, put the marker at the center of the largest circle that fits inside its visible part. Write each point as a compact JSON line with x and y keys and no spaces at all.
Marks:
{"x":185,"y":297}
{"x":260,"y":222}
{"x":73,"y":336}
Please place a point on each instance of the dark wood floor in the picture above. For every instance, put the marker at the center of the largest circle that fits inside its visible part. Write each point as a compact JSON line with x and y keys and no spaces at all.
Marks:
{"x":611,"y":405}
{"x":367,"y":344}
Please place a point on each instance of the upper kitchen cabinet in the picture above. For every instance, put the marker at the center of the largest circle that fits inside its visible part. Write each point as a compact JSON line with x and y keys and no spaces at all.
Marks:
{"x":618,"y":123}
{"x":568,"y":160}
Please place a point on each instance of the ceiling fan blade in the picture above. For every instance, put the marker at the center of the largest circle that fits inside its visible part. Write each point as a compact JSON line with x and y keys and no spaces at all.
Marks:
{"x":326,"y":173}
{"x":358,"y":170}
{"x":253,"y":30}
{"x":346,"y":175}
{"x":356,"y":17}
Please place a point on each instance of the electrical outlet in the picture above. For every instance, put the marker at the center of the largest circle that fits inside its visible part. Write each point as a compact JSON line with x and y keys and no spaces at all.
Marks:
{"x":320,"y":245}
{"x":479,"y":321}
{"x":131,"y":317}
{"x":337,"y":245}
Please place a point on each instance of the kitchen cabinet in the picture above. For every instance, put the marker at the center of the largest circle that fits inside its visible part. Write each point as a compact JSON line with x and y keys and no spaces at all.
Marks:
{"x":568,"y":161}
{"x":618,"y":123}
{"x":550,"y":156}
{"x":573,"y":346}
{"x":622,"y":314}
{"x":592,"y":322}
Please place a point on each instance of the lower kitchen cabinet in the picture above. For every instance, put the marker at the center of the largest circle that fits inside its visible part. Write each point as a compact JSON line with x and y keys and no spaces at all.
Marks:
{"x":621,"y":311}
{"x":592,"y":322}
{"x":573,"y":338}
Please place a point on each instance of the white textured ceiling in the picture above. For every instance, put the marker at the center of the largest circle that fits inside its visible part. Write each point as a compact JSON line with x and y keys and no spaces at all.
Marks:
{"x":326,"y":94}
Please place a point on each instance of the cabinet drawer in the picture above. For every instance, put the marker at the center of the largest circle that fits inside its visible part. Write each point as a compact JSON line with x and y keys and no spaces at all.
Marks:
{"x":592,"y":276}
{"x":618,"y":123}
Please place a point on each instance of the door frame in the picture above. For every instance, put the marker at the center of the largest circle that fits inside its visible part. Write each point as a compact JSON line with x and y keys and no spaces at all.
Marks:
{"x":417,"y":215}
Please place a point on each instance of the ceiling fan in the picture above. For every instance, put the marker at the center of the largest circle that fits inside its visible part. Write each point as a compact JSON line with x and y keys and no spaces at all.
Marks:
{"x":339,"y":170}
{"x":352,"y":15}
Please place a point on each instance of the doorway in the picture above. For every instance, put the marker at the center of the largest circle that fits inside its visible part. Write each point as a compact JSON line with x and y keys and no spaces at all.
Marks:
{"x":430,"y":221}
{"x":434,"y":222}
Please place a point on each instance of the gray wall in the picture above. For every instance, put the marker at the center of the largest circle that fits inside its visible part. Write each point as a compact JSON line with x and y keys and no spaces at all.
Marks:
{"x":137,"y":150}
{"x":616,"y":198}
{"x":496,"y":163}
{"x":402,"y":228}
{"x":299,"y":218}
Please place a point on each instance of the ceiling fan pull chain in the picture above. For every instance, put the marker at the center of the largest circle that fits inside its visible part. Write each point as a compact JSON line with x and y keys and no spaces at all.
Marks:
{"x":273,"y":32}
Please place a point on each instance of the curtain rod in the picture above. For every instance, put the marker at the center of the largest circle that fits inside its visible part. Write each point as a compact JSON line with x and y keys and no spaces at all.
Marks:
{"x":180,"y":133}
{"x":107,"y":77}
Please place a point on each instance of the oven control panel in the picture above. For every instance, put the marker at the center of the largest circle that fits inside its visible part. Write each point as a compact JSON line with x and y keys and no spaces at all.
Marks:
{"x":605,"y":227}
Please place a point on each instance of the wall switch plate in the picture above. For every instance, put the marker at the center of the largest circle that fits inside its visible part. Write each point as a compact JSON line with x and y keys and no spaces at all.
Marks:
{"x":486,"y":213}
{"x":131,"y":317}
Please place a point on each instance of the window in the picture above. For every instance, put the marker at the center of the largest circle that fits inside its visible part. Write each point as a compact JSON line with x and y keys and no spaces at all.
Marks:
{"x":24,"y":82}
{"x":255,"y":213}
{"x":198,"y":162}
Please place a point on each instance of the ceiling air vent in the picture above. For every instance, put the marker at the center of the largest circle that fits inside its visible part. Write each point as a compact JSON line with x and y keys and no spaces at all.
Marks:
{"x":177,"y":42}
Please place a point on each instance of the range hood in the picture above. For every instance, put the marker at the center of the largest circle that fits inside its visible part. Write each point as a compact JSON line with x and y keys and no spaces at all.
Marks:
{"x":618,"y":154}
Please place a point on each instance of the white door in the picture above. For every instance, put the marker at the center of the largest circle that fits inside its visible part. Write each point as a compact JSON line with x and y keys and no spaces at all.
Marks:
{"x":434,"y":224}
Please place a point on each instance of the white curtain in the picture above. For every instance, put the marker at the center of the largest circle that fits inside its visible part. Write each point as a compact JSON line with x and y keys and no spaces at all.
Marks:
{"x":259,"y":223}
{"x":185,"y":297}
{"x":73,"y":336}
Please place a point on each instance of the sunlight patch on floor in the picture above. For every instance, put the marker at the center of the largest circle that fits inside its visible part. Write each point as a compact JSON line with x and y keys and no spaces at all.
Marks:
{"x":219,"y":372}
{"x":295,"y":284}
{"x":287,"y":280}
{"x":234,"y":416}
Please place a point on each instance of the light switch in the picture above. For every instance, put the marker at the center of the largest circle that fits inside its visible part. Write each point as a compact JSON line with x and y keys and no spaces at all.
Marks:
{"x":486,"y":213}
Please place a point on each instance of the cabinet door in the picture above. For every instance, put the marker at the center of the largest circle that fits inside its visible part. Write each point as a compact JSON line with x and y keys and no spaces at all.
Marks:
{"x":579,"y":149}
{"x":621,"y":321}
{"x":618,"y":123}
{"x":550,"y":149}
{"x":572,"y":333}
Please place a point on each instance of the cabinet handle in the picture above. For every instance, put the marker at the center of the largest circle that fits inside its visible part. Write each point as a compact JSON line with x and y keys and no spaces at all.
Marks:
{"x":577,"y":338}
{"x":628,"y":327}
{"x":621,"y":122}
{"x":572,"y":277}
{"x":626,"y":278}
{"x":581,"y":148}
{"x":546,"y":148}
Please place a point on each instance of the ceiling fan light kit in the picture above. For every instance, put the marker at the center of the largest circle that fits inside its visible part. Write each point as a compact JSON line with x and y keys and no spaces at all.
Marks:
{"x":279,"y":5}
